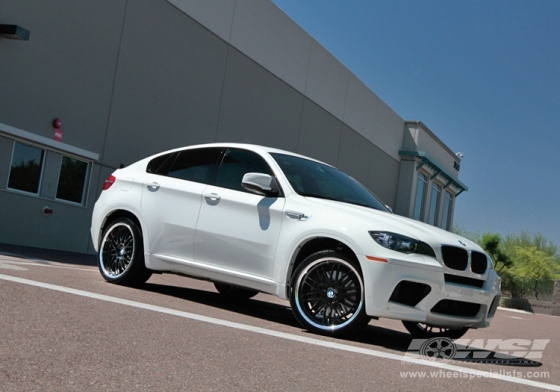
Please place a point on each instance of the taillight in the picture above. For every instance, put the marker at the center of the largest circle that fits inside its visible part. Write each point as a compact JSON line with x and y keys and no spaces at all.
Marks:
{"x":108,"y":182}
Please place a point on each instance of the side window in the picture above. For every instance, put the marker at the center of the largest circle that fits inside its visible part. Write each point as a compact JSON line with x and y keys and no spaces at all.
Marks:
{"x":161,"y":164}
{"x":72,"y":180}
{"x":420,"y":197}
{"x":236,"y":164}
{"x":434,"y":204}
{"x":26,"y":168}
{"x":194,"y":165}
{"x":447,"y":205}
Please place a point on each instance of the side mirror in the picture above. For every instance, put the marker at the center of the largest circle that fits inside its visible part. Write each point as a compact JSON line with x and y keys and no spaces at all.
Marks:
{"x":260,"y":184}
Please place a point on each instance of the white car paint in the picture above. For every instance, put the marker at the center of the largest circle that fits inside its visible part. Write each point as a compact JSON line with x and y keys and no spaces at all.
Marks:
{"x":252,"y":241}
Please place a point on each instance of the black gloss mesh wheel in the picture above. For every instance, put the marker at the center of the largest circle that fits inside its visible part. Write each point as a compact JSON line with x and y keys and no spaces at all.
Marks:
{"x":328,"y":294}
{"x":121,"y":253}
{"x":117,"y":250}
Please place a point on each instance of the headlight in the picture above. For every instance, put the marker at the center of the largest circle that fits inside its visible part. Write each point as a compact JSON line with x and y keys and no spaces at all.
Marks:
{"x":401,"y":243}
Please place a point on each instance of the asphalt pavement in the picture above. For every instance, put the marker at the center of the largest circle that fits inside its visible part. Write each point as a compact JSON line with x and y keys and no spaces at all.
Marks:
{"x":63,"y":328}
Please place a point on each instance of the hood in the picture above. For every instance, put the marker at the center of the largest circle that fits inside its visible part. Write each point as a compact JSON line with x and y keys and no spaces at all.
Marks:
{"x":387,"y":221}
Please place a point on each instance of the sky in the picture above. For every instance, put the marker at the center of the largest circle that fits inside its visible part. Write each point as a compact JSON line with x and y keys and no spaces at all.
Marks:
{"x":483,"y":75}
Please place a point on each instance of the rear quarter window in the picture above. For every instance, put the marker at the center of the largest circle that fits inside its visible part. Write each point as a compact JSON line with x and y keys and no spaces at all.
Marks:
{"x":191,"y":165}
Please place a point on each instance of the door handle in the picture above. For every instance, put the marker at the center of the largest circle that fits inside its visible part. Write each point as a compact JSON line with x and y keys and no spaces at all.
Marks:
{"x":212,"y":196}
{"x":152,"y":187}
{"x":297,"y":215}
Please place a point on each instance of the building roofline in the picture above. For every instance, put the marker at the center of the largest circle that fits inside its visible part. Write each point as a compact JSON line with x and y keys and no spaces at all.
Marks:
{"x":427,"y":159}
{"x":432,"y":135}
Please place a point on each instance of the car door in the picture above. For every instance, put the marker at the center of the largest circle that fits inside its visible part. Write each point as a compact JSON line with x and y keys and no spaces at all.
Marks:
{"x":171,"y":199}
{"x":237,"y":229}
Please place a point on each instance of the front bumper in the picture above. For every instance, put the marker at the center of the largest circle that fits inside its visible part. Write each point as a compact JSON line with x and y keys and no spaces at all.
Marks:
{"x":420,"y":289}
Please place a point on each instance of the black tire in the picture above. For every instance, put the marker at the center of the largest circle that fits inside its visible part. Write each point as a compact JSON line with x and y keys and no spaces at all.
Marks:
{"x":327,"y":294}
{"x":425,"y":331}
{"x":121,"y":254}
{"x":234,"y":292}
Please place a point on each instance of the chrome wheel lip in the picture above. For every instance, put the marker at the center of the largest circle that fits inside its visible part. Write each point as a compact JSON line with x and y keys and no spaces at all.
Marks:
{"x":330,"y":293}
{"x":122,"y":247}
{"x":426,"y":328}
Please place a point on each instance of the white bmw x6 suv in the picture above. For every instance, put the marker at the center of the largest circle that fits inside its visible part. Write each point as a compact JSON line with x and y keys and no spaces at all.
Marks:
{"x":256,"y":219}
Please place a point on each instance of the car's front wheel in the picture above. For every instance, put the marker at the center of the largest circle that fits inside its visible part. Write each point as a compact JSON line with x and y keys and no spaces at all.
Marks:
{"x":121,"y":253}
{"x":425,"y":331}
{"x":327,"y":294}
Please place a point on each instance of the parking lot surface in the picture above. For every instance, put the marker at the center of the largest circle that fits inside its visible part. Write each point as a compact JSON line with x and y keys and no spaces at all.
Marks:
{"x":62,"y":327}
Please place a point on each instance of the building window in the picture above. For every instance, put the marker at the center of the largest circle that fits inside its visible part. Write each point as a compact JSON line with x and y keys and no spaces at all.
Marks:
{"x":420,"y":197}
{"x":72,"y":180}
{"x":26,"y":169}
{"x":446,"y":218}
{"x":434,"y":204}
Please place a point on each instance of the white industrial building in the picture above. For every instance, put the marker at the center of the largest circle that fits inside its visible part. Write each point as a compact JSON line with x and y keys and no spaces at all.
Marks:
{"x":126,"y":79}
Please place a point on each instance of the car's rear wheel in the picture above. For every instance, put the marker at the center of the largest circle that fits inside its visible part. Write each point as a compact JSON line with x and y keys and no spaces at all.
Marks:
{"x":425,"y":331}
{"x":235,"y":293}
{"x":327,"y":294}
{"x":121,"y":253}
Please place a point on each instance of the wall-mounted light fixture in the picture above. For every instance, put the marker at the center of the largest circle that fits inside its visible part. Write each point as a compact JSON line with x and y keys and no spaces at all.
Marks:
{"x":14,"y":32}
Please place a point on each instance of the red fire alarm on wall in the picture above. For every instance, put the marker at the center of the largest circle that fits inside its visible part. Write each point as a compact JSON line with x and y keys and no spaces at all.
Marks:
{"x":58,"y":132}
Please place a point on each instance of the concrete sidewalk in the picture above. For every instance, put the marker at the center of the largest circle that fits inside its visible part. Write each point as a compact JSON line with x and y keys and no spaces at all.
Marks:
{"x":48,"y":254}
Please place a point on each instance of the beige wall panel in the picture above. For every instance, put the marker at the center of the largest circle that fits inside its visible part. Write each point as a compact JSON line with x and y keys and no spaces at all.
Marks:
{"x":215,"y":15}
{"x":327,"y":80}
{"x":268,"y":36}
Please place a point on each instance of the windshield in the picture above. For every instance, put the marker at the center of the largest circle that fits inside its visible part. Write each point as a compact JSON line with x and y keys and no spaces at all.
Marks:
{"x":314,"y":179}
